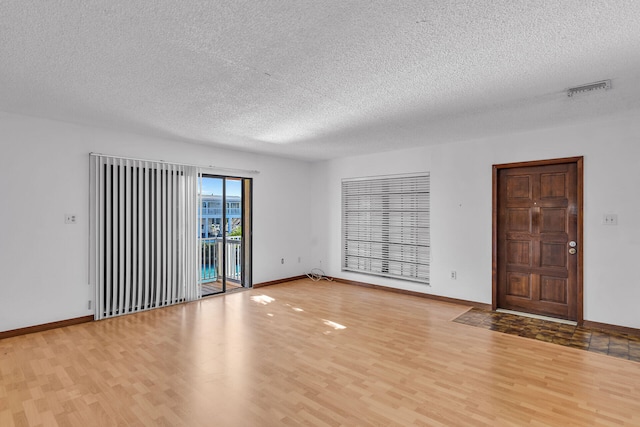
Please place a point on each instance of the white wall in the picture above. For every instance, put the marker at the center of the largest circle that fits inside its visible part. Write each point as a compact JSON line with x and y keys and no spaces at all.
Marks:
{"x":461,"y":203}
{"x":44,"y":170}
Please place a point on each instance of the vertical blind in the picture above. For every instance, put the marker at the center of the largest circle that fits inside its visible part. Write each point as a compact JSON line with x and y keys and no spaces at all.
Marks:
{"x":145,"y":252}
{"x":385,"y":226}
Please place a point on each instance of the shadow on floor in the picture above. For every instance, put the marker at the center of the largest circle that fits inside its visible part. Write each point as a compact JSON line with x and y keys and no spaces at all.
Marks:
{"x":614,"y":344}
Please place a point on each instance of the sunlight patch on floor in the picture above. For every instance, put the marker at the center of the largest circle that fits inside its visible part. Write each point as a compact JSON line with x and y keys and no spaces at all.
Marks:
{"x":262,"y":299}
{"x":334,"y":325}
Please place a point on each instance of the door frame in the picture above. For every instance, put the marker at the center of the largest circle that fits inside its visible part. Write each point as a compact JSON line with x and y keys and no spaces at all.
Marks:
{"x":580,"y":241}
{"x":246,"y":209}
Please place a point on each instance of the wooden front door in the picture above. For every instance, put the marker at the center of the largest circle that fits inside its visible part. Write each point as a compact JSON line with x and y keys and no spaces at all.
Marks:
{"x":538,"y":252}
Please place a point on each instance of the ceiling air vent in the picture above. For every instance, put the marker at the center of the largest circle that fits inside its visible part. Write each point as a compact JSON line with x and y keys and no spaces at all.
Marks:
{"x":605,"y":84}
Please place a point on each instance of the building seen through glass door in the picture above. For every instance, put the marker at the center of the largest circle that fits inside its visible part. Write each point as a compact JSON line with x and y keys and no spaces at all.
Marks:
{"x":225,"y":231}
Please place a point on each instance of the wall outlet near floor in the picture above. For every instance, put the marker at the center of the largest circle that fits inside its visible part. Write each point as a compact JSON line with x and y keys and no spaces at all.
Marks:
{"x":453,"y":275}
{"x":610,"y":219}
{"x":70,"y":218}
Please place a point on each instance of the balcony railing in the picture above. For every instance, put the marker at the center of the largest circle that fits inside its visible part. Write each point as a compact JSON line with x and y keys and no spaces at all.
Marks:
{"x":211,"y":256}
{"x":217,"y":212}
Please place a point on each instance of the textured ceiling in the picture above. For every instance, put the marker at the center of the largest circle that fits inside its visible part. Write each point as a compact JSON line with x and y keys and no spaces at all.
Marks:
{"x":318,"y":79}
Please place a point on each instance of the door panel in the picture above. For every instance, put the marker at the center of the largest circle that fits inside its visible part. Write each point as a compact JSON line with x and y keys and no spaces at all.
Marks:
{"x":519,"y":220}
{"x":553,"y":289}
{"x":537,"y":217}
{"x":518,"y":285}
{"x":553,"y":186}
{"x":552,"y":255}
{"x":519,"y":253}
{"x":553,"y":220}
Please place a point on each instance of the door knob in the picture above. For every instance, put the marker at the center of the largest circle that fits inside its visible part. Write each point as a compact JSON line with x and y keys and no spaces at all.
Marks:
{"x":572,"y":251}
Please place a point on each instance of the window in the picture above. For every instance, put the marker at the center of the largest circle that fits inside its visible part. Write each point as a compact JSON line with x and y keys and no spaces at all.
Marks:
{"x":385,"y":226}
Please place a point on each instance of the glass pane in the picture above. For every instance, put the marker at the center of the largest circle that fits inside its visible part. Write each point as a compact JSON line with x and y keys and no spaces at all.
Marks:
{"x":211,"y":231}
{"x":233,"y":228}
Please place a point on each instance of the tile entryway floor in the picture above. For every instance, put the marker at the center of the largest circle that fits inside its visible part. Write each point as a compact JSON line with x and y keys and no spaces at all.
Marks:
{"x":614,"y":344}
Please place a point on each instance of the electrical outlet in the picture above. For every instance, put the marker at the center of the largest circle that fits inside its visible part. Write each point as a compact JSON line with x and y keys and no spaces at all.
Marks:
{"x":454,"y":275}
{"x":610,"y":219}
{"x":70,"y":218}
{"x":282,"y":261}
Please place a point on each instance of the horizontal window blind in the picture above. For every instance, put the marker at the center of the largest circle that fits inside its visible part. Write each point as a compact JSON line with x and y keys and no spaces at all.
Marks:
{"x":385,"y":226}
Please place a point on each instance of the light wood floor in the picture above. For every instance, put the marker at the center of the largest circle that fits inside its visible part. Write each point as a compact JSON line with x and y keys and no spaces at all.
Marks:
{"x":307,"y":353}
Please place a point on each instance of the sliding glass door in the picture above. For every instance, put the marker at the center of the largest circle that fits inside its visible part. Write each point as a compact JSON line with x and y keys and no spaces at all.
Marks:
{"x":164,"y":233}
{"x":225,"y":231}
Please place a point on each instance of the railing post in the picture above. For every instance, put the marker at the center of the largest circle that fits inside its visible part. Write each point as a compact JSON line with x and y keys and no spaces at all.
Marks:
{"x":219,"y":249}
